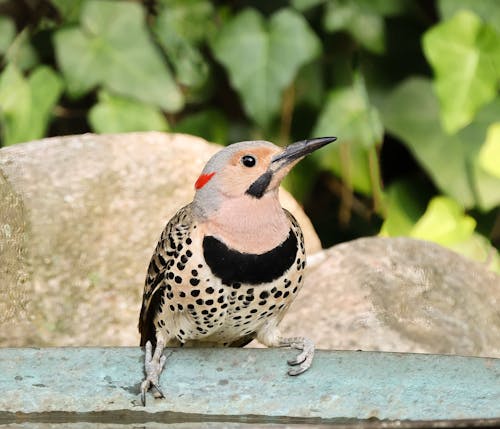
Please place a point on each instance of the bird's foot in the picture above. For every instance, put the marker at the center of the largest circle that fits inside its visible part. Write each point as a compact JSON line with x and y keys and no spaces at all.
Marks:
{"x":153,"y":366}
{"x":304,"y":359}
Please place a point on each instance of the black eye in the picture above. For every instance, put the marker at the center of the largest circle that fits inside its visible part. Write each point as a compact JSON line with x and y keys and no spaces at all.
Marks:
{"x":248,"y":161}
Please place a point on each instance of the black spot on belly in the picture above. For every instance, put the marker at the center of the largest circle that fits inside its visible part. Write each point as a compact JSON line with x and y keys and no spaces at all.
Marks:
{"x":232,"y":266}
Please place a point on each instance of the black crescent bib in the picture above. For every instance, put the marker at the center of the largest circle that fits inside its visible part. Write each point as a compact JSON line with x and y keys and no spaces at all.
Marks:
{"x":232,"y":266}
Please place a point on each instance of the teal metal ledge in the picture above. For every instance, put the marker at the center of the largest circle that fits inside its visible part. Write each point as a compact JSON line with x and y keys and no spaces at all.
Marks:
{"x":242,"y":385}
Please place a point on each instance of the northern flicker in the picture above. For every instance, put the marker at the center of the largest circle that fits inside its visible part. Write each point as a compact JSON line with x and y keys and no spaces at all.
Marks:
{"x":229,"y":264}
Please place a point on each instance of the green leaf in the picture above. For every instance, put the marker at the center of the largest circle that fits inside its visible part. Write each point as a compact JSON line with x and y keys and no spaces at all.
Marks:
{"x":112,"y":48}
{"x":403,"y":209}
{"x":7,"y":33}
{"x":362,"y":19}
{"x":364,"y":25}
{"x":209,"y":124}
{"x":15,"y":105}
{"x":26,"y":104}
{"x":20,"y":52}
{"x":79,"y":61}
{"x":465,"y":56}
{"x":485,"y":186}
{"x":487,"y":10}
{"x":263,"y":58}
{"x":310,"y":86}
{"x":46,"y":87}
{"x":349,"y":115}
{"x":385,"y":7}
{"x":68,"y":10}
{"x":479,"y":248}
{"x":411,"y":113}
{"x":444,"y":222}
{"x":489,"y":155}
{"x":192,"y":20}
{"x":303,"y":5}
{"x":180,"y":26}
{"x":116,"y":114}
{"x":191,"y":69}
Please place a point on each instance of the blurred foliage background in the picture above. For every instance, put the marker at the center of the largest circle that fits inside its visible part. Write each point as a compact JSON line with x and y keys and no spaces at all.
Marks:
{"x":410,"y":88}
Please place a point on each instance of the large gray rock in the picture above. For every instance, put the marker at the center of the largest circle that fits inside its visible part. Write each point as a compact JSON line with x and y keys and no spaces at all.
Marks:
{"x":79,"y":219}
{"x":398,"y":294}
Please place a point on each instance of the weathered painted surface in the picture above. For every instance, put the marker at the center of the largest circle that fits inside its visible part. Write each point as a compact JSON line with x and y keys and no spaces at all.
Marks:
{"x":250,"y":382}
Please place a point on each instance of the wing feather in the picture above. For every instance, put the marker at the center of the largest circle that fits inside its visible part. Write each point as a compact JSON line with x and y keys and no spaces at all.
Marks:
{"x":174,"y":233}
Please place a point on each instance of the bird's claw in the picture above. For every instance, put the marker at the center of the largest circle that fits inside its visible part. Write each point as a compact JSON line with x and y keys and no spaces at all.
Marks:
{"x":301,"y":357}
{"x":153,"y":365}
{"x":304,"y":359}
{"x":145,"y":386}
{"x":298,"y":369}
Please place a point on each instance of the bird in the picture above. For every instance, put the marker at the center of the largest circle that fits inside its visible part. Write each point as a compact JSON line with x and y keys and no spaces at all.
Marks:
{"x":229,"y":264}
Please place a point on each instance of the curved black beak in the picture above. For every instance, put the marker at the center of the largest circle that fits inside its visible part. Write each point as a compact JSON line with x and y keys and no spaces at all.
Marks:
{"x":298,"y":150}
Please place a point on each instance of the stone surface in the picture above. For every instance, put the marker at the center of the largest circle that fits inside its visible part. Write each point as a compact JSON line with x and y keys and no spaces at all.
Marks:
{"x":79,"y":219}
{"x":219,"y":383}
{"x":399,"y":294}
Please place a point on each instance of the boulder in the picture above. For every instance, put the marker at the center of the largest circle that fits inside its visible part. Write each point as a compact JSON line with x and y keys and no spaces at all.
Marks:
{"x":79,"y":219}
{"x":398,"y":294}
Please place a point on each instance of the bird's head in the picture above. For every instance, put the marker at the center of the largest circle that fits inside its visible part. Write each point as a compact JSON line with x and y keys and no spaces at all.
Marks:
{"x":249,"y":170}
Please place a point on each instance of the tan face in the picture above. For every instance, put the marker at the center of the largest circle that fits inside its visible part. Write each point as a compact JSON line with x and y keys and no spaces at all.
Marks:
{"x":235,"y":174}
{"x":244,"y":168}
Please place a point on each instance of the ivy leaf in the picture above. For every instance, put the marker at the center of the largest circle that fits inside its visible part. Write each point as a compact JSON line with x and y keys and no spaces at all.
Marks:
{"x":46,"y":88}
{"x":192,"y":20}
{"x":489,"y":155}
{"x":26,"y":104}
{"x":191,"y":69}
{"x":20,"y":51}
{"x":364,"y":25}
{"x":349,"y":115}
{"x":209,"y":124}
{"x":479,"y":248}
{"x":15,"y":104}
{"x":403,"y":208}
{"x":68,"y":10}
{"x":7,"y":33}
{"x":303,"y":5}
{"x":310,"y":86}
{"x":444,"y":222}
{"x":263,"y":58}
{"x":487,"y":10}
{"x":451,"y":160}
{"x":180,"y":27}
{"x":112,"y":48}
{"x":116,"y":114}
{"x":465,"y":56}
{"x":362,"y":19}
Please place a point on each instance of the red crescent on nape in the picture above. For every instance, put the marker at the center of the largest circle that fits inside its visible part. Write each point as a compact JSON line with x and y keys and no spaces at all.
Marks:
{"x":203,"y":180}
